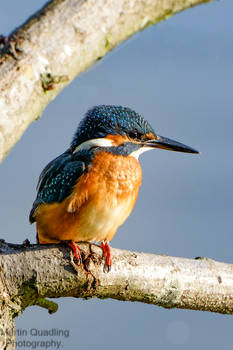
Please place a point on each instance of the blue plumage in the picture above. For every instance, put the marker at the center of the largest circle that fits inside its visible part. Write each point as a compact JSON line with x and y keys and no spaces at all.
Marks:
{"x":60,"y":186}
{"x":57,"y":180}
{"x":115,"y":120}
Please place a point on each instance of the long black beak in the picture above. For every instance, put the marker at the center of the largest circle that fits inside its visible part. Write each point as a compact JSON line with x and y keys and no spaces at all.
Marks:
{"x":168,"y":144}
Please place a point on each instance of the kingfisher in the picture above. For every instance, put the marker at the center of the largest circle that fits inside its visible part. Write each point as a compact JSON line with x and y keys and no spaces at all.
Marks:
{"x":88,"y":191}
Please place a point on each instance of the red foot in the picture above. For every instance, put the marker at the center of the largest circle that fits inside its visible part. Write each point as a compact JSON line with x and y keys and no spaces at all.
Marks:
{"x":107,"y":256}
{"x":76,"y":251}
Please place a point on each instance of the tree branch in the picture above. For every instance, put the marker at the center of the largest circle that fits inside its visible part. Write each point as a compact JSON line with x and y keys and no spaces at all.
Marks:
{"x":36,"y":272}
{"x":59,"y":42}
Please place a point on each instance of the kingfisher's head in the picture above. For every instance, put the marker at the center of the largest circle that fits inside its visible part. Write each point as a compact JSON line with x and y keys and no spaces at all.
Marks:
{"x":122,"y":131}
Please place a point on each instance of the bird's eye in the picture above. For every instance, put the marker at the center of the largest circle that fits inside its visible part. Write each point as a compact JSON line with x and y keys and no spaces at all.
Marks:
{"x":135,"y":135}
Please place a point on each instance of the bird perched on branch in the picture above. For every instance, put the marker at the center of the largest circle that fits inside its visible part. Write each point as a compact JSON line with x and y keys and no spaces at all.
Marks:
{"x":87,"y":192}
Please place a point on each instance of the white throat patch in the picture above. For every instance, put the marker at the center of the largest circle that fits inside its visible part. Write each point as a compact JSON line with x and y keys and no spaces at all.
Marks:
{"x":139,"y":151}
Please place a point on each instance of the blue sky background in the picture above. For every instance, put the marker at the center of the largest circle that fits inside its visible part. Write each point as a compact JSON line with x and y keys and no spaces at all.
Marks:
{"x":178,"y":75}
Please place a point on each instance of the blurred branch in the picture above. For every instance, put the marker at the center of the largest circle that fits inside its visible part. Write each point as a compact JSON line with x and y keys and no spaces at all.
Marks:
{"x":59,"y":42}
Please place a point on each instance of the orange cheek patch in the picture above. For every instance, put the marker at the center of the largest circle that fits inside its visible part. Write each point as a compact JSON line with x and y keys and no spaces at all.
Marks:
{"x":117,"y":139}
{"x":148,"y":137}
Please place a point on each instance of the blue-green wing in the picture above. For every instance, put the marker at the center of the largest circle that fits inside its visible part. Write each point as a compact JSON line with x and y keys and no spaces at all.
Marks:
{"x":57,"y":180}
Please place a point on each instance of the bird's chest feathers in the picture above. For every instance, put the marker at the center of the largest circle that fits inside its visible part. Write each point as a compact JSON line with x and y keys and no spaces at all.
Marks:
{"x":112,"y":181}
{"x":101,"y":201}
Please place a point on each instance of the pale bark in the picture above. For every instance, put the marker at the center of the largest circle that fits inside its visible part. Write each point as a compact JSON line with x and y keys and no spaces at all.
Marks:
{"x":59,"y":42}
{"x":36,"y":272}
{"x":30,"y":274}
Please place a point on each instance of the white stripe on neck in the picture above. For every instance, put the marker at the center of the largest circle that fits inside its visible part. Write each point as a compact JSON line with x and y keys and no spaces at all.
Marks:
{"x":101,"y":142}
{"x":139,"y":151}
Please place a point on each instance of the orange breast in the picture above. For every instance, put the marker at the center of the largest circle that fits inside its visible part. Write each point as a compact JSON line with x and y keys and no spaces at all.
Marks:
{"x":101,"y":201}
